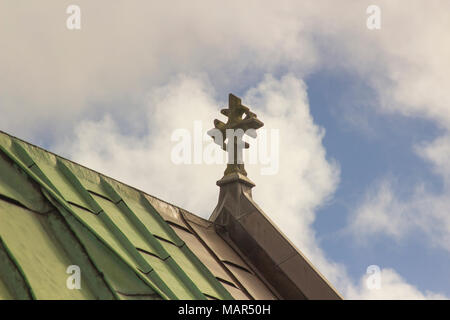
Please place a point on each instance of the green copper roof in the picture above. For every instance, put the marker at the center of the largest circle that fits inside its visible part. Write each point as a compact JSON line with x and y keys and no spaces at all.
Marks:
{"x":54,"y":213}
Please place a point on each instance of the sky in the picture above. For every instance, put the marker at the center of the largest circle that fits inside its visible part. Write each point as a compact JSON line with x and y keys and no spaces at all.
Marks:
{"x":363,"y":116}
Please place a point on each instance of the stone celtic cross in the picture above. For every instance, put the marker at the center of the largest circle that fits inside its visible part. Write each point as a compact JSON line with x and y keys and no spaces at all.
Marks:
{"x":240,"y":121}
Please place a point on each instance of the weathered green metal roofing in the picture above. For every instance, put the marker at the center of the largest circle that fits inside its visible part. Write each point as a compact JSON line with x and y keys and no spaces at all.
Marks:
{"x":55,"y":213}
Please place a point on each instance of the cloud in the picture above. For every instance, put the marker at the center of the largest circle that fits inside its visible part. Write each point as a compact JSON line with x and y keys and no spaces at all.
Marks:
{"x":392,"y":286}
{"x":49,"y":73}
{"x":122,"y":50}
{"x":381,"y":212}
{"x":384,"y":212}
{"x":437,"y":153}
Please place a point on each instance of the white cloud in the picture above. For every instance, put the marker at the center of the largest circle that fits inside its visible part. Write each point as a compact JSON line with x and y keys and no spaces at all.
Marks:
{"x":49,"y":73}
{"x":392,"y":286}
{"x":437,"y":154}
{"x":381,"y":212}
{"x":384,"y":212}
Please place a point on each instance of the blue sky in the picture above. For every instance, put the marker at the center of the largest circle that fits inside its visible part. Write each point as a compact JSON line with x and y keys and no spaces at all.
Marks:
{"x":363,"y":116}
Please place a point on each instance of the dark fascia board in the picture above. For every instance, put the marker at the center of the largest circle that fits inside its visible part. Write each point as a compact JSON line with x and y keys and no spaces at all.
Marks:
{"x":241,"y":222}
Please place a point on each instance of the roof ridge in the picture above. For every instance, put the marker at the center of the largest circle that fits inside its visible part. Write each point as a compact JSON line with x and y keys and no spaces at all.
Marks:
{"x":103,"y":175}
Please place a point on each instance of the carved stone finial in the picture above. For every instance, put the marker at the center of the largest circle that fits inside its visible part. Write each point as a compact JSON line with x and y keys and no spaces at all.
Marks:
{"x":240,"y":121}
